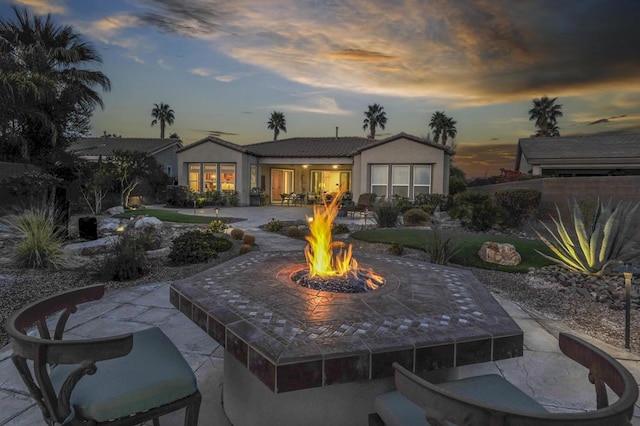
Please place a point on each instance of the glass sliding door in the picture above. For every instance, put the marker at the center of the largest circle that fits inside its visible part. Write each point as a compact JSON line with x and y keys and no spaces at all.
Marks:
{"x":281,"y":183}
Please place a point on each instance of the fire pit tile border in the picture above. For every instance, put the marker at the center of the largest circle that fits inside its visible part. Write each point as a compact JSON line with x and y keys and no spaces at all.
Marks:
{"x":283,"y":364}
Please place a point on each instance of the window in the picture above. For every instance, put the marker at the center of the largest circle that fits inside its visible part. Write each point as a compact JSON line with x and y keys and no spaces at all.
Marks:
{"x":400,"y":181}
{"x":330,"y":181}
{"x":194,"y":177}
{"x":254,"y":176}
{"x":210,"y":177}
{"x":379,"y":180}
{"x":228,"y":177}
{"x":421,"y":179}
{"x":169,"y":171}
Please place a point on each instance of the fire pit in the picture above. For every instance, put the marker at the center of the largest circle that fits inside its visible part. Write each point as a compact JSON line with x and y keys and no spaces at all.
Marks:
{"x":297,"y":354}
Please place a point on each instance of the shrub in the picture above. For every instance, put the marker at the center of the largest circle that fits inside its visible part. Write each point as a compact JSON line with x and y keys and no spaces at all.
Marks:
{"x":249,"y":239}
{"x":402,"y":203}
{"x":475,"y":210}
{"x":237,"y":233}
{"x":396,"y":249}
{"x":195,"y":247}
{"x":218,"y":226}
{"x":42,"y":243}
{"x":612,"y":237}
{"x":415,"y":216}
{"x":444,"y":202}
{"x":128,"y":260}
{"x":340,"y":228}
{"x":246,"y":248}
{"x":294,"y":232}
{"x":441,"y":246}
{"x":386,"y":215}
{"x":179,"y":196}
{"x":148,"y":237}
{"x":518,"y":205}
{"x":221,"y":244}
{"x":274,"y":226}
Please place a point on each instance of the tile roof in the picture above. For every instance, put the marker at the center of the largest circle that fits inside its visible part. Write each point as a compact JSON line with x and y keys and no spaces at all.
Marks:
{"x":310,"y":147}
{"x":213,"y":139}
{"x":598,"y":148}
{"x":93,"y":147}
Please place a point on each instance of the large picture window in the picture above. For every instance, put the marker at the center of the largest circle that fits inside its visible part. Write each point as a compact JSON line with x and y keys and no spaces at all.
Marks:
{"x":379,"y":180}
{"x":194,"y":177}
{"x":212,"y":177}
{"x":228,"y":177}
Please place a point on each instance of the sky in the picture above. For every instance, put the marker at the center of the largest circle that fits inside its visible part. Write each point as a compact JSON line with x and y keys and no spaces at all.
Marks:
{"x":224,"y":66}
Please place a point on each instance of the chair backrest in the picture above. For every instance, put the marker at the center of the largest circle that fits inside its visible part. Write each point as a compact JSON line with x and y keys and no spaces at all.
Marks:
{"x":442,"y":405}
{"x":48,"y":350}
{"x":366,"y":199}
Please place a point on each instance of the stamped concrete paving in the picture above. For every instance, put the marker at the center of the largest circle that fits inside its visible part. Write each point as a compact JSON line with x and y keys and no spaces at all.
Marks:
{"x":543,"y":372}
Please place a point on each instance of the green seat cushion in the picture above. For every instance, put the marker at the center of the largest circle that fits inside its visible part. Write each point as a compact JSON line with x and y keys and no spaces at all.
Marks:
{"x":394,"y":409}
{"x":154,"y":373}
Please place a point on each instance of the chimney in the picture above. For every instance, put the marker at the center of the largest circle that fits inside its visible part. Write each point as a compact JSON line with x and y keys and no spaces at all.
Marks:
{"x":336,"y":132}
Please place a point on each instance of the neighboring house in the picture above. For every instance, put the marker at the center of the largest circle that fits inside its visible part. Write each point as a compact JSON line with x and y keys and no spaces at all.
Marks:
{"x":588,"y":155}
{"x":163,"y":150}
{"x":398,"y":165}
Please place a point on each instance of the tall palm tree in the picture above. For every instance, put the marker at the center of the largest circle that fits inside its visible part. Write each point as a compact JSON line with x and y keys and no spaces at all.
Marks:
{"x":545,"y":112}
{"x":45,"y":76}
{"x":277,"y":122}
{"x":162,"y":114}
{"x":375,"y":116}
{"x":443,"y":127}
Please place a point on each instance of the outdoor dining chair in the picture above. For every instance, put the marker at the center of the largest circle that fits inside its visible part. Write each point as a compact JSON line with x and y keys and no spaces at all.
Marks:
{"x":121,"y":380}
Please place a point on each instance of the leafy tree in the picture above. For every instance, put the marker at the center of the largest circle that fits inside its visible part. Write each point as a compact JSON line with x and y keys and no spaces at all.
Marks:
{"x":46,"y":90}
{"x":375,"y":116}
{"x":443,"y":127}
{"x":97,"y":180}
{"x":457,"y":180}
{"x":545,"y":112}
{"x":277,"y":122}
{"x":162,"y":114}
{"x":131,"y":168}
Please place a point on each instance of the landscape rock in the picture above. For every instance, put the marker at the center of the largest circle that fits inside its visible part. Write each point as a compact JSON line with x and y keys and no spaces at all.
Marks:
{"x":108,"y":226}
{"x":501,"y":254}
{"x":145,"y":221}
{"x":87,"y":248}
{"x":115,"y":210}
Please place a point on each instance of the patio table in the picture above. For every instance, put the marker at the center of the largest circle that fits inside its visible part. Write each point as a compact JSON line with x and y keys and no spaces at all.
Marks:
{"x":299,"y":356}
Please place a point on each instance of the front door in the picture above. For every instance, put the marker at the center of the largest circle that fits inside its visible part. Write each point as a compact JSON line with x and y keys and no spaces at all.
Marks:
{"x":281,"y":183}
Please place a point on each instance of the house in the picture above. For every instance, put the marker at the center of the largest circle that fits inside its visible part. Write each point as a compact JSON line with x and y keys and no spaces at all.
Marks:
{"x":163,"y":150}
{"x":587,"y":155}
{"x":403,"y":165}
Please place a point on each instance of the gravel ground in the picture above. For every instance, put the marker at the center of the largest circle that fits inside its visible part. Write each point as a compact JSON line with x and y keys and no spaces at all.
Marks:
{"x":532,"y":291}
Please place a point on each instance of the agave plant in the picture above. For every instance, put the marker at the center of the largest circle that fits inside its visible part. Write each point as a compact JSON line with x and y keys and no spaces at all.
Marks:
{"x":612,"y":237}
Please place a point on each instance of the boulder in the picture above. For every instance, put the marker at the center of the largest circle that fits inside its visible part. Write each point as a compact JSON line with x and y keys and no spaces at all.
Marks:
{"x":99,"y":246}
{"x":115,"y":210}
{"x":145,"y":221}
{"x":501,"y":254}
{"x":108,"y":226}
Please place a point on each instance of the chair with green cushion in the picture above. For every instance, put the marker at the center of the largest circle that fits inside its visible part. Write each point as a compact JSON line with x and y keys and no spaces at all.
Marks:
{"x":492,"y":400}
{"x":120,"y":380}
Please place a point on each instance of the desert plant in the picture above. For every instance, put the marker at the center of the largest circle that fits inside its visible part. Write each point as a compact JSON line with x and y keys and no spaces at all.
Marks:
{"x":441,"y":246}
{"x":249,"y":239}
{"x":195,"y":247}
{"x":474,"y":210}
{"x":274,"y":225}
{"x":402,"y":203}
{"x":294,"y":231}
{"x":386,"y":215}
{"x":246,"y":248}
{"x":340,"y":228}
{"x":611,"y":238}
{"x":237,"y":233}
{"x":396,"y":249}
{"x":218,"y":226}
{"x":415,"y":216}
{"x":41,"y":246}
{"x":128,"y":260}
{"x":518,"y":205}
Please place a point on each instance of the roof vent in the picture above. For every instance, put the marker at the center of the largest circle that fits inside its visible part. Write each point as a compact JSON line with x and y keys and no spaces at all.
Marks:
{"x":336,"y":132}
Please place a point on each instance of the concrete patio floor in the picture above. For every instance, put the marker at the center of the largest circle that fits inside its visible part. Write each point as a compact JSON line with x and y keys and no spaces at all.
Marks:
{"x":543,"y":372}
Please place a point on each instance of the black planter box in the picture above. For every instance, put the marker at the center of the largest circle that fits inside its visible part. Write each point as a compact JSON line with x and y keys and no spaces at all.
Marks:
{"x":88,"y":228}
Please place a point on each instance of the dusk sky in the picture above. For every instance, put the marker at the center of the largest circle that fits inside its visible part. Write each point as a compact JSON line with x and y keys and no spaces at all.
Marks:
{"x":224,"y":66}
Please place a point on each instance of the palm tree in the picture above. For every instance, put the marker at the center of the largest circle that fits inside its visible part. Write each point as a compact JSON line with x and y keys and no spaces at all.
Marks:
{"x":162,"y":114}
{"x":43,"y":68}
{"x":375,"y":117}
{"x":545,"y":112}
{"x":442,"y":126}
{"x":277,"y":122}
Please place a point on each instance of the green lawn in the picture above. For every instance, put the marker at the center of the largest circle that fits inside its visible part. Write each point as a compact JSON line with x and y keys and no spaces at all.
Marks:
{"x":169,"y":216}
{"x":471,"y":242}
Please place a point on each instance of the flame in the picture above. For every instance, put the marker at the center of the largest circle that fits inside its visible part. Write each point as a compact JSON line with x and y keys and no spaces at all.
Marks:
{"x":328,"y":258}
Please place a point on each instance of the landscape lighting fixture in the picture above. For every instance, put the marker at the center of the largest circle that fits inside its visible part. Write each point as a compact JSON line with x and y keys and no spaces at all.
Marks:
{"x":628,"y":271}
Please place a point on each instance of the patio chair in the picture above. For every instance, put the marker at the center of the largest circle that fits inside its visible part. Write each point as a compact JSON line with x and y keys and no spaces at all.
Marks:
{"x":121,"y":380}
{"x":365,"y":201}
{"x":492,"y":400}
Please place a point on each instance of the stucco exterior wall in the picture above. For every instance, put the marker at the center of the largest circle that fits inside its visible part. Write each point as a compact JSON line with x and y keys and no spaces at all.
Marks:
{"x":404,"y":151}
{"x":168,"y":158}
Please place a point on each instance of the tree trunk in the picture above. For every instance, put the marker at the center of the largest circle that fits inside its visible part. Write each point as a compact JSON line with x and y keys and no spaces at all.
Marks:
{"x":161,"y":129}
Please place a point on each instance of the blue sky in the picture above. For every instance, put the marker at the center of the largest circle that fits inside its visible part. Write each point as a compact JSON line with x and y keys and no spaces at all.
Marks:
{"x":223,"y":66}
